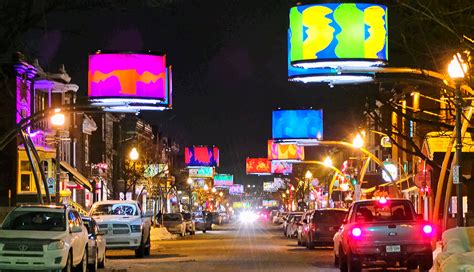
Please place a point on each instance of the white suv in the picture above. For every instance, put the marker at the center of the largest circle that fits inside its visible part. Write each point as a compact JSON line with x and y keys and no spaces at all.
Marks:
{"x":43,"y":237}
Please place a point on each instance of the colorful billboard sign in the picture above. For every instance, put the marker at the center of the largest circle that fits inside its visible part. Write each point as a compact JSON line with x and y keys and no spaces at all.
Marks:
{"x":201,"y":156}
{"x":285,"y":152}
{"x":282,"y":167}
{"x":269,"y":203}
{"x":297,"y":124}
{"x":259,"y":166}
{"x":223,"y":180}
{"x":236,"y":189}
{"x":338,"y":35}
{"x":127,"y":82}
{"x":201,"y":172}
{"x":124,"y":75}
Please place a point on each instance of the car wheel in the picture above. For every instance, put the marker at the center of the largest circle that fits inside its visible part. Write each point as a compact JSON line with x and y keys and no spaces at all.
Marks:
{"x":102,"y":262}
{"x":299,"y":242}
{"x":82,"y":266}
{"x":140,"y":251}
{"x":342,"y":261}
{"x":310,"y":244}
{"x":204,"y":231}
{"x":352,"y":265}
{"x":94,"y":266}
{"x":68,"y":267}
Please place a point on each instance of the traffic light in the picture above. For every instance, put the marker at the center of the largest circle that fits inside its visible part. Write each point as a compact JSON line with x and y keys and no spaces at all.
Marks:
{"x":354,"y":181}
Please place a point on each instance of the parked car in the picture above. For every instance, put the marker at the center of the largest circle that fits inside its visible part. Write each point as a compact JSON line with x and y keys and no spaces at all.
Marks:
{"x":303,"y":229}
{"x":43,"y":237}
{"x":175,"y":223}
{"x":383,"y":232}
{"x":124,"y":224}
{"x":287,"y":219}
{"x":225,"y":217}
{"x":323,"y":225}
{"x":96,"y":244}
{"x":216,"y":218}
{"x":190,"y":225}
{"x":203,"y":221}
{"x":279,"y":218}
{"x":292,"y":227}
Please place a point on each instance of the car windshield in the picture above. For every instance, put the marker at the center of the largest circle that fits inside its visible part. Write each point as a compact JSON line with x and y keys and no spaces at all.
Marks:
{"x":114,"y":209}
{"x":171,"y":217}
{"x":390,"y":211}
{"x":35,"y":220}
{"x":329,"y":217}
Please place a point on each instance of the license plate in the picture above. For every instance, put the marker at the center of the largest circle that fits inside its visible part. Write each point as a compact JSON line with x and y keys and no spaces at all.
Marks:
{"x":392,"y":248}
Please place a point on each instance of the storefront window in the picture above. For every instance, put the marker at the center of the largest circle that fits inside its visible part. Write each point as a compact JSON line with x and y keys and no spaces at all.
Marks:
{"x":25,"y":182}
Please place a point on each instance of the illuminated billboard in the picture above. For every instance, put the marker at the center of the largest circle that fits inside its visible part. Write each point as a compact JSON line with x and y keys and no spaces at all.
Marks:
{"x":338,"y":35}
{"x":297,"y":124}
{"x":258,"y":166}
{"x":201,"y":172}
{"x":282,"y":167}
{"x":268,"y":186}
{"x":129,"y":81}
{"x":236,"y":189}
{"x":269,"y":203}
{"x":285,"y":152}
{"x":223,"y":180}
{"x":201,"y":156}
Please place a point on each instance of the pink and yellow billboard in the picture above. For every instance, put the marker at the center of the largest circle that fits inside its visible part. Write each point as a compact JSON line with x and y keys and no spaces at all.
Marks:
{"x":286,"y":152}
{"x":258,"y":166}
{"x":121,"y":75}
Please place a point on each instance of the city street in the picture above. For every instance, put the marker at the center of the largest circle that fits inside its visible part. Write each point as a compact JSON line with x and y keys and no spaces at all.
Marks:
{"x":233,"y":247}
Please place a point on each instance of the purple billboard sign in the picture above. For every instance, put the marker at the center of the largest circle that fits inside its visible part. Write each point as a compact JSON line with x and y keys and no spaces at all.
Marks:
{"x":139,"y":76}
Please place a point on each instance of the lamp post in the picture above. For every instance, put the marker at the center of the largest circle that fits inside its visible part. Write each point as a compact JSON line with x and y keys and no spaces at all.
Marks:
{"x":457,"y":70}
{"x":57,"y":121}
{"x":358,"y":143}
{"x":190,"y":183}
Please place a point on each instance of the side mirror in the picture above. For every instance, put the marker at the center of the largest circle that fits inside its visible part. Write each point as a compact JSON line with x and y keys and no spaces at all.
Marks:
{"x":305,"y":221}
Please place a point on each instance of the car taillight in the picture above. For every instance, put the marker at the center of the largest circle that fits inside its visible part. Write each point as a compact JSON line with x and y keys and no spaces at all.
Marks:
{"x":427,"y":229}
{"x":306,"y":228}
{"x":356,"y":232}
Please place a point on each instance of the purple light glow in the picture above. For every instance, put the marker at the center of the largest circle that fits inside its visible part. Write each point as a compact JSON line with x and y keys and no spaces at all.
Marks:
{"x":127,"y":75}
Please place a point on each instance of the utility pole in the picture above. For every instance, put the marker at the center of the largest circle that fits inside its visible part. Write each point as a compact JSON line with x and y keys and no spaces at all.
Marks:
{"x":457,"y":175}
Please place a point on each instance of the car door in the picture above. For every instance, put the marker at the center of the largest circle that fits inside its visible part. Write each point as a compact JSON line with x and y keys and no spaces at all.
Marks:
{"x":78,"y":236}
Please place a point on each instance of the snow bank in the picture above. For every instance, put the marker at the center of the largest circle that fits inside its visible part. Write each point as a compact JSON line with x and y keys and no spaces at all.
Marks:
{"x":161,"y":233}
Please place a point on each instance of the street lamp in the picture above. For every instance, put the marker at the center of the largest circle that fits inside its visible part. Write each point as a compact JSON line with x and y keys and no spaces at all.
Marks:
{"x":206,"y":187}
{"x":358,"y":142}
{"x":328,"y":162}
{"x":57,"y":121}
{"x":190,"y":181}
{"x":133,"y":154}
{"x":457,"y":70}
{"x":308,"y":175}
{"x":221,"y":194}
{"x":213,"y":190}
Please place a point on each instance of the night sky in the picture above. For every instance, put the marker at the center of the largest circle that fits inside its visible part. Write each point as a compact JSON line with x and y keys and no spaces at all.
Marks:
{"x":229,"y":69}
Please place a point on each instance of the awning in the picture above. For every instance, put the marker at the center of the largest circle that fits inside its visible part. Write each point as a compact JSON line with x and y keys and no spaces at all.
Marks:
{"x":78,"y":177}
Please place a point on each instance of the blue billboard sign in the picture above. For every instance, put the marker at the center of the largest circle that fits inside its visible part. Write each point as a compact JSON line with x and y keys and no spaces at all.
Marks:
{"x":297,"y":124}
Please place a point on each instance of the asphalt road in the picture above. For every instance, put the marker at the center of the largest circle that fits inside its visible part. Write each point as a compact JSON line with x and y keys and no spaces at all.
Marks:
{"x":233,"y":247}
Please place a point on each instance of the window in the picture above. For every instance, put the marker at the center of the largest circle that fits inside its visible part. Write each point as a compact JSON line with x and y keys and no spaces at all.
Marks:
{"x":25,"y":182}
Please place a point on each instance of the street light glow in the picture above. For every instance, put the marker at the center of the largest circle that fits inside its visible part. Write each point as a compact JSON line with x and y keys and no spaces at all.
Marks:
{"x":58,"y":118}
{"x":206,"y":187}
{"x":221,"y":194}
{"x":457,"y":68}
{"x":134,"y":154}
{"x":358,"y":141}
{"x":308,"y":175}
{"x":190,"y":181}
{"x":328,"y":162}
{"x":213,"y":190}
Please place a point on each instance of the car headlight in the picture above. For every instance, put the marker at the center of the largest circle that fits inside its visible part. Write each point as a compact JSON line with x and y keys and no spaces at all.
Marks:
{"x":56,"y":245}
{"x":136,"y":228}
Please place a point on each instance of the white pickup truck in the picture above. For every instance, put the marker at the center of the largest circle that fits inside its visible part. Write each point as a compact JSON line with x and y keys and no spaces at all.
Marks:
{"x":124,"y":225}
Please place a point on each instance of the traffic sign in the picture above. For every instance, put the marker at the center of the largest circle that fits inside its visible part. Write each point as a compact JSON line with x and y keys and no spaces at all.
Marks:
{"x":456,"y":174}
{"x":51,"y":185}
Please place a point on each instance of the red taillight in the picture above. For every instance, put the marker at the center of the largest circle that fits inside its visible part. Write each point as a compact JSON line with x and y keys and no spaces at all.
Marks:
{"x":306,"y":228}
{"x":427,"y":229}
{"x":356,"y":232}
{"x":313,"y":227}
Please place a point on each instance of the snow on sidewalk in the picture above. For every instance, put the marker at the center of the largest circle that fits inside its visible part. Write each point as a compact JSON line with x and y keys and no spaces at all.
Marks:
{"x":161,"y":233}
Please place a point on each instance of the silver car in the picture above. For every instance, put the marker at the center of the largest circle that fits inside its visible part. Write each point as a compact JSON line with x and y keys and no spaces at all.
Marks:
{"x":96,"y":244}
{"x":174,"y":223}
